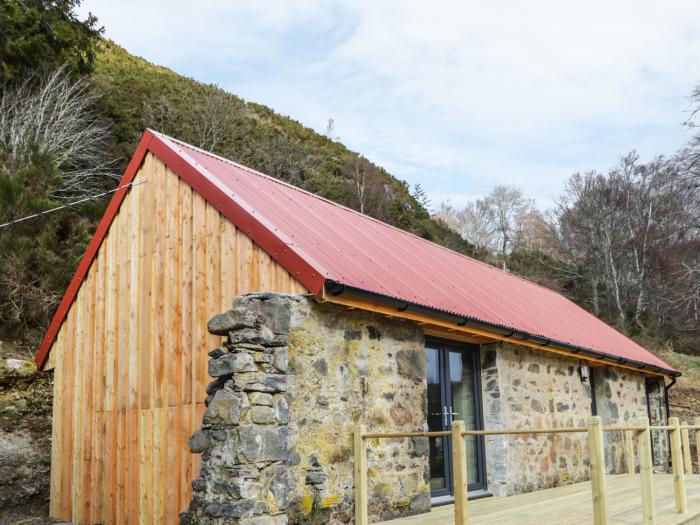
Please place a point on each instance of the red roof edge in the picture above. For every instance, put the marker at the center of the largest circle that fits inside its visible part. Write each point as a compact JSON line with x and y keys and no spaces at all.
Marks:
{"x":239,"y":214}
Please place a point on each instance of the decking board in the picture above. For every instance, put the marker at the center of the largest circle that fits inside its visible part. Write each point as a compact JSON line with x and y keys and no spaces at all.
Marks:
{"x":571,"y":505}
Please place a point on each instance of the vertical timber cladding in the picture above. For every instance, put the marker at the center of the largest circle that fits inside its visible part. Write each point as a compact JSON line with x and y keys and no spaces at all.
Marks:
{"x":131,"y":357}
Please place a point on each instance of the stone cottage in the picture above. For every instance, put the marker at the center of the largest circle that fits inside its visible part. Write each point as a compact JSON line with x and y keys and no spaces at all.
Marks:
{"x":222,"y":313}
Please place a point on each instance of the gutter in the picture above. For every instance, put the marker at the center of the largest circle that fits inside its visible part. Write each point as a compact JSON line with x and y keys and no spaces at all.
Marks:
{"x":335,"y":288}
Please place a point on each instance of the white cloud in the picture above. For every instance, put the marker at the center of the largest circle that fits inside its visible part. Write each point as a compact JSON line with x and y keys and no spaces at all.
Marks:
{"x":458,"y":96}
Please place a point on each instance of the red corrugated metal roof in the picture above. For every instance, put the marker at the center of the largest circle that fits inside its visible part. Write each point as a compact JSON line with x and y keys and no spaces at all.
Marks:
{"x":318,"y":241}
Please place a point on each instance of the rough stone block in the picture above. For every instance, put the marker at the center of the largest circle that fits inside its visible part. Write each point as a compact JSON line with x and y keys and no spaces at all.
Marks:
{"x":231,"y":364}
{"x":263,"y":443}
{"x":411,"y":363}
{"x":281,"y":405}
{"x":230,"y":509}
{"x":261,"y":382}
{"x":235,"y":319}
{"x":263,"y":415}
{"x":260,"y":398}
{"x":281,"y":358}
{"x":259,"y":336}
{"x":199,"y":442}
{"x":227,"y":407}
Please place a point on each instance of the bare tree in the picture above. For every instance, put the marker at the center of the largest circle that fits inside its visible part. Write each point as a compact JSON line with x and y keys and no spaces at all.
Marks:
{"x":55,"y":116}
{"x":360,"y":181}
{"x":473,"y":223}
{"x":506,"y":204}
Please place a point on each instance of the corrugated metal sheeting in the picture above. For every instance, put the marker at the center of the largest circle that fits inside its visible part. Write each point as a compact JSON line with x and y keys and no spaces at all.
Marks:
{"x":345,"y":246}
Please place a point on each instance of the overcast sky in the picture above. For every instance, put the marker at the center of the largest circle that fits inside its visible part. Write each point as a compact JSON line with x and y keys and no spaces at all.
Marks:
{"x":456,"y":96}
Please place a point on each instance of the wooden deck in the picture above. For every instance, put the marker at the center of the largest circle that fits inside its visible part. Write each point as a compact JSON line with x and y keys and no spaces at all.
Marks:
{"x":571,"y":505}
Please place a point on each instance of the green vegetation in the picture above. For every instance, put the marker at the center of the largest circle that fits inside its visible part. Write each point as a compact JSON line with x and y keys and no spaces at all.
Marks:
{"x":40,"y":36}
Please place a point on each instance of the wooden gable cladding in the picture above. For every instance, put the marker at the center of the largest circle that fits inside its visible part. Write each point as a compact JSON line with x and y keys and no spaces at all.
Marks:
{"x":130,"y":359}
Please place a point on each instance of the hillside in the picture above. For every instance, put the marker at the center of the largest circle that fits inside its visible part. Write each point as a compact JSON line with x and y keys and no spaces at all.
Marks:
{"x":136,"y":94}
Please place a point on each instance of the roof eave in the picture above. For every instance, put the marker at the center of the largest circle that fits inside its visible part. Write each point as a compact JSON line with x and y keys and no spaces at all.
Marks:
{"x":335,"y":288}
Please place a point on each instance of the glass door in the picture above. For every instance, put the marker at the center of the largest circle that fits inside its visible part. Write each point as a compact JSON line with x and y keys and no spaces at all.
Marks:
{"x":454,"y":392}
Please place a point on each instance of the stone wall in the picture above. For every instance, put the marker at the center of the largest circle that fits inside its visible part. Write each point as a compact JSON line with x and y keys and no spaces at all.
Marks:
{"x":621,"y":400}
{"x":292,"y":380}
{"x":526,"y":388}
{"x":348,"y":367}
{"x":294,"y":377}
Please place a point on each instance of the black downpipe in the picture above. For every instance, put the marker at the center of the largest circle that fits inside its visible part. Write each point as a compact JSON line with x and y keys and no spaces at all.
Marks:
{"x":666,"y":389}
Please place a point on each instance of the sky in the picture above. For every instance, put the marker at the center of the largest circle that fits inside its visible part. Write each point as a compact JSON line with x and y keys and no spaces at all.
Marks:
{"x":455,"y":96}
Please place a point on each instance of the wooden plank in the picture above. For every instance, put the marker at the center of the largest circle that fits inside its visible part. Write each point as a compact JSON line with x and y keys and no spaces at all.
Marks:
{"x":146,"y":472}
{"x":111,"y":371}
{"x":133,"y":466}
{"x":122,"y":404}
{"x":159,"y":432}
{"x":697,"y":440}
{"x":186,"y":254}
{"x":459,"y":468}
{"x":78,"y":408}
{"x":173,"y":449}
{"x":97,"y":435}
{"x":646,"y":472}
{"x":199,"y":305}
{"x":87,"y":408}
{"x":685,"y":439}
{"x":677,"y":461}
{"x":228,"y":265}
{"x":244,"y":248}
{"x":565,"y":505}
{"x":121,"y":514}
{"x":173,"y":276}
{"x":596,"y":451}
{"x":58,"y":352}
{"x":360,"y":470}
{"x":629,"y":451}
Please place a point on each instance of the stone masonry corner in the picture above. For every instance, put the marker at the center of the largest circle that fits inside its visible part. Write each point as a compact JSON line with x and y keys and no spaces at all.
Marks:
{"x":243,"y":439}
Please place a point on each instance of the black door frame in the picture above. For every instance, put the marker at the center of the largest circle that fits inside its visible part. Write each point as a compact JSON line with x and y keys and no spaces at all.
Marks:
{"x":443,"y":346}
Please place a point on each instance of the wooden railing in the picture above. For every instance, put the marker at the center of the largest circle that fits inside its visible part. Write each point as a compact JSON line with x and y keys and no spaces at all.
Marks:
{"x":679,"y":434}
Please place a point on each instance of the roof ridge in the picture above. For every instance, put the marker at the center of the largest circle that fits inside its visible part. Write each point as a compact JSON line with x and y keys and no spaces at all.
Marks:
{"x":343,"y":207}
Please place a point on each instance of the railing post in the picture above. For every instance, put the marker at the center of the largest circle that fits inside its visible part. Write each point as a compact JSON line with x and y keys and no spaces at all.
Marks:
{"x":697,"y":440}
{"x":597,"y":462}
{"x":645,"y":473}
{"x":677,"y":461}
{"x":459,"y":468}
{"x":360,"y":476}
{"x":685,"y":438}
{"x":630,"y":451}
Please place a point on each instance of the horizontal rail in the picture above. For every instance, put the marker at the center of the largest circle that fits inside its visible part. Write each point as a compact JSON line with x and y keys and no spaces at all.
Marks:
{"x":496,"y":432}
{"x":562,"y":430}
{"x":389,"y":435}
